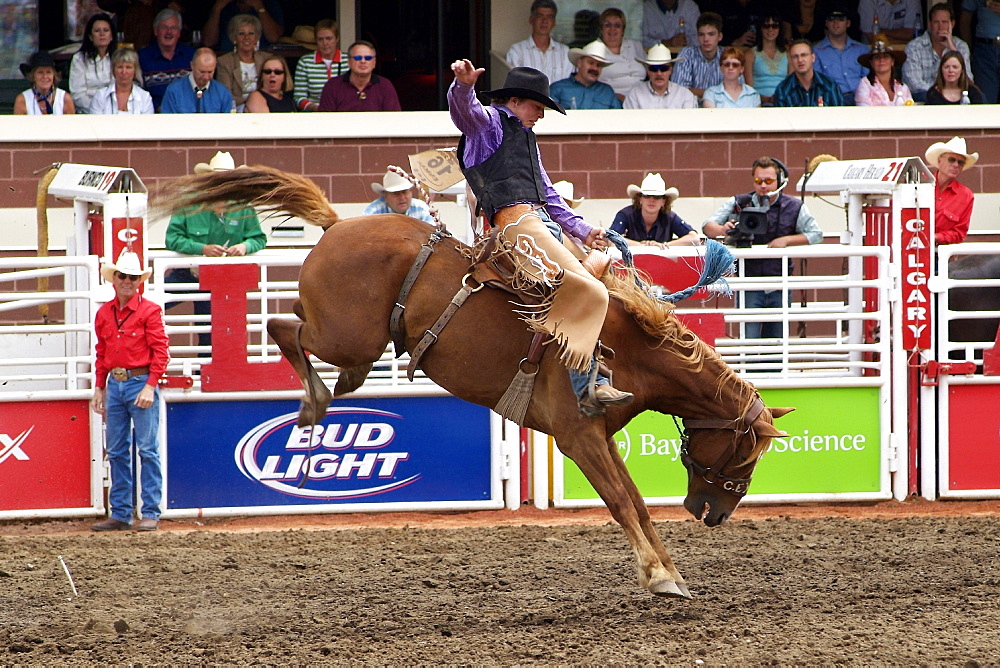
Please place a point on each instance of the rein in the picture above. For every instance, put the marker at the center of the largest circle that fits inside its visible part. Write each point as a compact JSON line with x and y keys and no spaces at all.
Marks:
{"x":740,"y":427}
{"x":396,"y":318}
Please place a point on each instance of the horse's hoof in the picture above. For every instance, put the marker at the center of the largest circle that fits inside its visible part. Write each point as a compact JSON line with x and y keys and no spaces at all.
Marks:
{"x":669,"y":589}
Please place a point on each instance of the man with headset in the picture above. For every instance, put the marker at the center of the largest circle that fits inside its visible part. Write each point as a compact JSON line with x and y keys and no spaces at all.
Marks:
{"x":788,"y":223}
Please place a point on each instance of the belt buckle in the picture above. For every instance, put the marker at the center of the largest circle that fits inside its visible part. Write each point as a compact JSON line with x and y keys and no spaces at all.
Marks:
{"x":119,"y":373}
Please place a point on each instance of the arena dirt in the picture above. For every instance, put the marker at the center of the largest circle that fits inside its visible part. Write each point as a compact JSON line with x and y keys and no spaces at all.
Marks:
{"x":852,"y":585}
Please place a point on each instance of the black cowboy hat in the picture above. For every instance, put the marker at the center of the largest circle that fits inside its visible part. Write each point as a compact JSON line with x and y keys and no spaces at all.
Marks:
{"x":38,"y":59}
{"x":529,"y":83}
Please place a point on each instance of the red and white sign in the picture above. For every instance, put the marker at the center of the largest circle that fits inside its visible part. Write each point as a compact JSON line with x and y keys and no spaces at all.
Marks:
{"x":44,"y":455}
{"x":916,"y":241}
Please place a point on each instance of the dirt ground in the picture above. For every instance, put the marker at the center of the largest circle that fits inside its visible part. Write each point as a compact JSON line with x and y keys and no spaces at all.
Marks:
{"x":857,"y":584}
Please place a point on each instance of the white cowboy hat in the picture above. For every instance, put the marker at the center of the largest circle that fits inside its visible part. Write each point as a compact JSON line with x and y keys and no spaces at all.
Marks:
{"x":595,"y":50}
{"x":220,"y":162}
{"x":657,"y":55}
{"x":565,"y":190}
{"x":653,"y":186}
{"x":392,"y":183}
{"x":954,"y":145}
{"x":128,"y":263}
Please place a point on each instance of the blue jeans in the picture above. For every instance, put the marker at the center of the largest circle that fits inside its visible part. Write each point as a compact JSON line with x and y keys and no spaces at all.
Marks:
{"x":578,"y":380}
{"x":986,"y":70}
{"x":125,"y":420}
{"x":764,"y":299}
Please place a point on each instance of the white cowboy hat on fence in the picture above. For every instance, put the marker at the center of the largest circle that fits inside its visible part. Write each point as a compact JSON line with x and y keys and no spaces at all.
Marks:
{"x":128,"y":263}
{"x":595,"y":50}
{"x":220,"y":162}
{"x":392,"y":183}
{"x":954,"y":145}
{"x":653,"y":186}
{"x":565,"y":190}
{"x":658,"y":55}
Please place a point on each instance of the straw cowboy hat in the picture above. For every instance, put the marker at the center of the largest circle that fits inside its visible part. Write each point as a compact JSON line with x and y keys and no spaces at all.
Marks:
{"x":128,"y":263}
{"x":304,"y":36}
{"x":653,"y":186}
{"x":658,"y":55}
{"x":595,"y":50}
{"x":528,"y":83}
{"x":565,"y":190}
{"x":881,"y":45}
{"x":36,"y":60}
{"x":954,"y":145}
{"x":220,"y":162}
{"x":392,"y":183}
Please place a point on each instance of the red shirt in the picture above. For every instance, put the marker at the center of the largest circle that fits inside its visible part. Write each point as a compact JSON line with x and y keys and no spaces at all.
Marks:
{"x":131,"y":337}
{"x":953,"y":206}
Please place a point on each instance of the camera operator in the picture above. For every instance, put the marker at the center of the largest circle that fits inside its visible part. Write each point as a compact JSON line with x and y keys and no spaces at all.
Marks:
{"x":765,"y":215}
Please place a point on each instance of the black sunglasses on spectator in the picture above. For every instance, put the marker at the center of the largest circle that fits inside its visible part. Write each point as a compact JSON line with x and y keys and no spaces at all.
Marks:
{"x":660,"y":68}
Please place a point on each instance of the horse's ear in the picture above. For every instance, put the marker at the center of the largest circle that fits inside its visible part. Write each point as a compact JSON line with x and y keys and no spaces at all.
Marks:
{"x":765,"y":429}
{"x":780,"y":412}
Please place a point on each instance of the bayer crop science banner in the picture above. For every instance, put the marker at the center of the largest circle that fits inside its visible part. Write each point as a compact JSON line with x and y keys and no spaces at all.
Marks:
{"x":409,"y":450}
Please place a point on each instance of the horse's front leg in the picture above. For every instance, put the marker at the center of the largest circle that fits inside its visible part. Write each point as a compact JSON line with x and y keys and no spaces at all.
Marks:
{"x":588,"y":448}
{"x":644,"y":520}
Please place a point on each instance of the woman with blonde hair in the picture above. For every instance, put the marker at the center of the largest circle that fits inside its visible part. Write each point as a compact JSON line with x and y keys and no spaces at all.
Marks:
{"x":44,"y":97}
{"x":238,"y":70}
{"x":123,"y":95}
{"x":624,"y":71}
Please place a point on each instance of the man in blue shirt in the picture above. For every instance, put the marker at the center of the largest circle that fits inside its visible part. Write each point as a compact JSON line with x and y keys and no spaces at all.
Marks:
{"x":837,"y":54}
{"x":985,"y":44}
{"x":805,"y":87}
{"x":395,"y":195}
{"x":583,"y":90}
{"x":166,"y":60}
{"x":195,"y":93}
{"x":697,"y":66}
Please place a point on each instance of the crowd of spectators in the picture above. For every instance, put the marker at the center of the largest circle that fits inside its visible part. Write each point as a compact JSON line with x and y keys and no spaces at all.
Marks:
{"x":232,"y":71}
{"x":721,"y":53}
{"x":747,"y":53}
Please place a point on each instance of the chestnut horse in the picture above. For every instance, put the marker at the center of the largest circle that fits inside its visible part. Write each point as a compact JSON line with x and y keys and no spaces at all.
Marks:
{"x":349,"y":284}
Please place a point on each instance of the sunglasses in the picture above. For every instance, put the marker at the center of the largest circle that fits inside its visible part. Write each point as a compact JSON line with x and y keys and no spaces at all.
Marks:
{"x":267,"y":71}
{"x":733,"y":64}
{"x":759,"y":181}
{"x":654,"y":196}
{"x":956,"y":161}
{"x":363,"y":57}
{"x":659,"y":68}
{"x":127,"y":277}
{"x":770,"y":25}
{"x":609,"y":24}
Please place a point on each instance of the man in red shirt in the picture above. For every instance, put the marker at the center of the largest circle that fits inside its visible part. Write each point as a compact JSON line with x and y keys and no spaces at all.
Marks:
{"x":132,"y":353}
{"x":953,"y":201}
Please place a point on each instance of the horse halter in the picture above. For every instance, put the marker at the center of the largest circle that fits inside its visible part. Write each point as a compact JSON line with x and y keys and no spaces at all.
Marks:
{"x":740,"y":427}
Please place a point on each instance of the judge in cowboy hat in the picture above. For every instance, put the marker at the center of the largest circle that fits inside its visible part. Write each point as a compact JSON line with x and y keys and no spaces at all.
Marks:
{"x":395,"y":195}
{"x":953,"y":201}
{"x":658,"y":91}
{"x":132,"y":352}
{"x":648,"y":221}
{"x":582,"y":90}
{"x":500,"y":159}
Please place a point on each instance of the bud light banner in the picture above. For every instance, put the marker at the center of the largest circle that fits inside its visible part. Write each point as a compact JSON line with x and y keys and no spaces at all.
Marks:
{"x":407,"y":450}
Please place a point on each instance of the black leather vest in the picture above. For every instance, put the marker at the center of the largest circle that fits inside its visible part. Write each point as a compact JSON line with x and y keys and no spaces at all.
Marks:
{"x":781,"y":219}
{"x":511,"y":175}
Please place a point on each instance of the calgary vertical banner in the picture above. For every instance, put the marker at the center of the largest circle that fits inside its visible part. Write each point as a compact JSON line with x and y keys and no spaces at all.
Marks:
{"x":915,"y":241}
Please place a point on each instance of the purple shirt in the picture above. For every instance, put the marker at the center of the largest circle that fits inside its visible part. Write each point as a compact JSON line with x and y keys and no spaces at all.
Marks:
{"x":339,"y":94}
{"x":483,"y":130}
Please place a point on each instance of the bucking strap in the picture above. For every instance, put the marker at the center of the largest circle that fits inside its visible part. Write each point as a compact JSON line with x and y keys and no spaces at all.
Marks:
{"x":396,"y":317}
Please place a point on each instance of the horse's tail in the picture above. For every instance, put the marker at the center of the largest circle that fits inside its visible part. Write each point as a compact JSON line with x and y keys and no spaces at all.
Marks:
{"x":266,"y":188}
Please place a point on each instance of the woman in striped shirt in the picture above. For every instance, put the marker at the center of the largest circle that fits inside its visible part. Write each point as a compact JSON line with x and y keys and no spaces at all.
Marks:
{"x":315,"y":69}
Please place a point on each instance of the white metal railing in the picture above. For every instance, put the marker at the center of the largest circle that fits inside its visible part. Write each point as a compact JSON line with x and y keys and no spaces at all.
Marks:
{"x":836,"y":349}
{"x":953,"y":326}
{"x":46,"y":356}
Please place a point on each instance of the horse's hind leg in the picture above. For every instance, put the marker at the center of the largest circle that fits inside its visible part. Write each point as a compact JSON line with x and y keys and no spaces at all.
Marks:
{"x":644,"y":520}
{"x":286,"y":333}
{"x":590,"y":452}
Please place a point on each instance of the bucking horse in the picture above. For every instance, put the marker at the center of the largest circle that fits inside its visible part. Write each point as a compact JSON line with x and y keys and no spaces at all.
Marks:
{"x":349,"y":286}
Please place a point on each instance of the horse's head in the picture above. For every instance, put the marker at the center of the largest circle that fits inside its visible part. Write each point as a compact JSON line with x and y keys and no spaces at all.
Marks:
{"x":720,"y":456}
